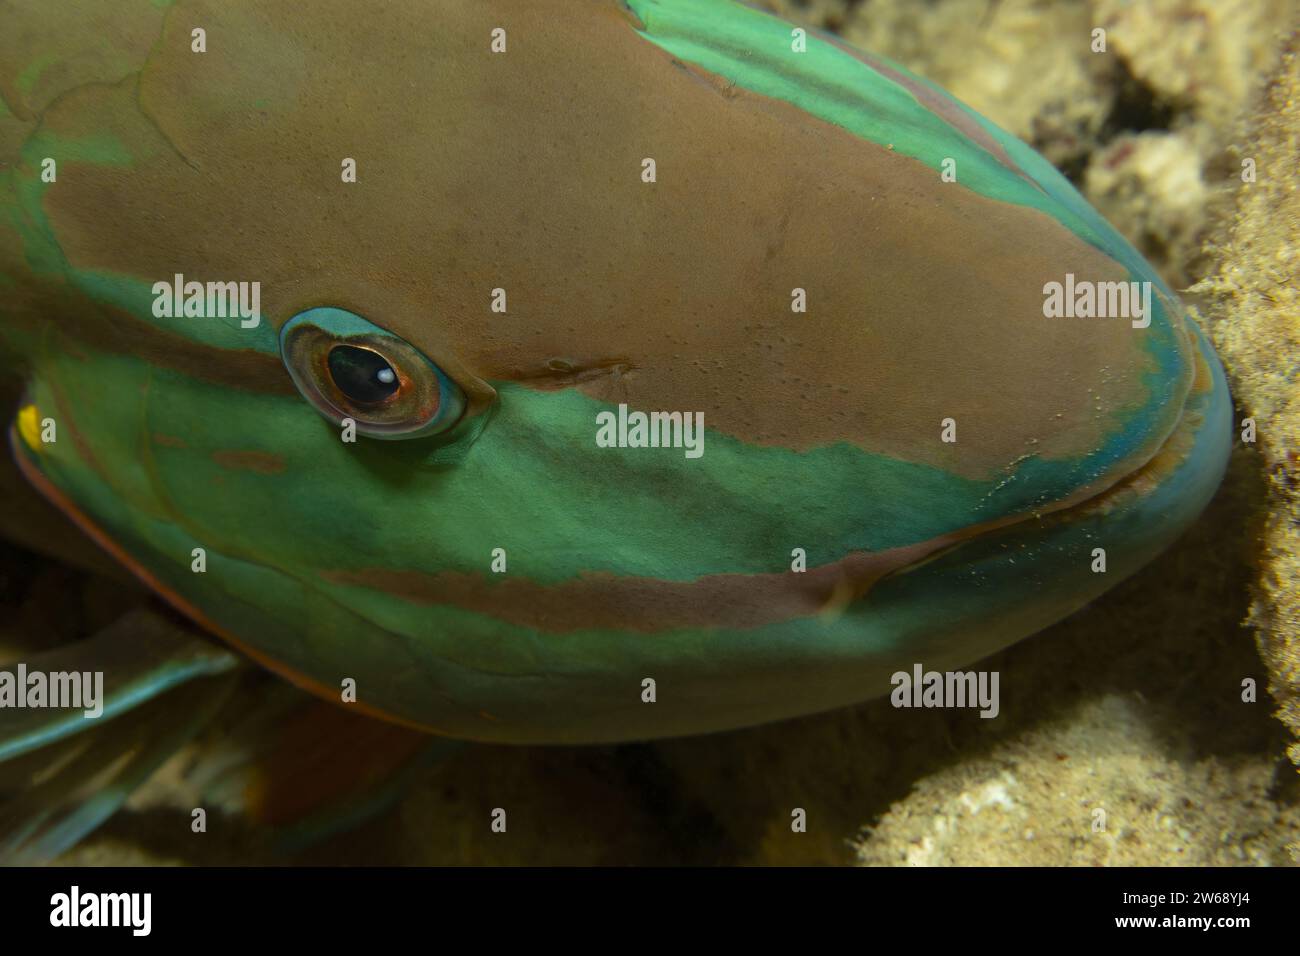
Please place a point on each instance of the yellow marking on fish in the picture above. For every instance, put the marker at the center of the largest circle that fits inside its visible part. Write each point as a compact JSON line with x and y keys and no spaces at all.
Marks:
{"x":29,"y":426}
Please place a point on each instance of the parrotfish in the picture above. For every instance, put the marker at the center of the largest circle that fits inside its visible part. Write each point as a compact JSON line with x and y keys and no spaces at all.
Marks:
{"x":514,"y":264}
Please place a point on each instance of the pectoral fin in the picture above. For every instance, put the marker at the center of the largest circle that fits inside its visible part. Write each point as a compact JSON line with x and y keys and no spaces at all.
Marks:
{"x":62,"y":773}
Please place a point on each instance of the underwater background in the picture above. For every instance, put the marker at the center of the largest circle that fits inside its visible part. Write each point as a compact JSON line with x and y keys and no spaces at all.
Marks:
{"x":1133,"y":706}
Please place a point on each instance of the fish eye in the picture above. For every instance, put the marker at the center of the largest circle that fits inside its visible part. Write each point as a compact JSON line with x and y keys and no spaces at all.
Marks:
{"x":348,"y":367}
{"x":362,"y":374}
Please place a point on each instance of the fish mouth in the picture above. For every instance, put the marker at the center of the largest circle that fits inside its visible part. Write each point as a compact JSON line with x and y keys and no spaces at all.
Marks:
{"x":1196,"y":447}
{"x":1133,"y":519}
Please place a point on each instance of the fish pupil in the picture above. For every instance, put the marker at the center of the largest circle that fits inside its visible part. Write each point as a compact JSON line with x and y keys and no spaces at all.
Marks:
{"x":362,"y":375}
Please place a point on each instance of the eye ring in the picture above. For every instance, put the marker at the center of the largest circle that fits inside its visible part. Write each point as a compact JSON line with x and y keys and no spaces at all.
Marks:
{"x":349,"y":368}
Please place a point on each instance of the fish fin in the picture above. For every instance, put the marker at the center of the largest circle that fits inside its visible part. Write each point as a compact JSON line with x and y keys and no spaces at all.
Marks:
{"x":63,"y":773}
{"x":311,"y":769}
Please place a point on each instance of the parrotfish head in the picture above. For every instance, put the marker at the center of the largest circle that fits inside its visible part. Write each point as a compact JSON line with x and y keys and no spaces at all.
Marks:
{"x":641,"y":376}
